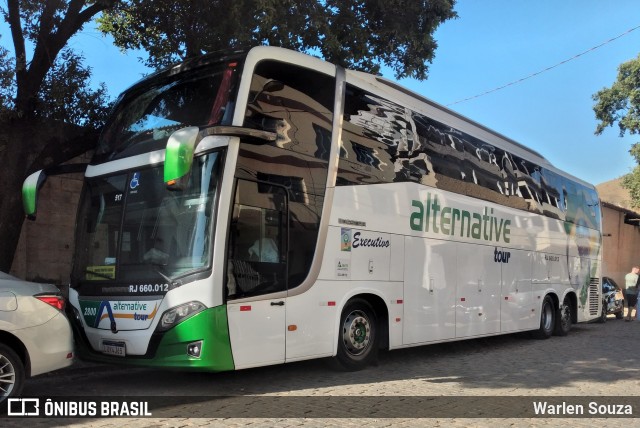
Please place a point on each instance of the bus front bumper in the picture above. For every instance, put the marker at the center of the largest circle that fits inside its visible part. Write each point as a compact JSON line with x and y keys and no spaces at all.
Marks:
{"x":200,"y":343}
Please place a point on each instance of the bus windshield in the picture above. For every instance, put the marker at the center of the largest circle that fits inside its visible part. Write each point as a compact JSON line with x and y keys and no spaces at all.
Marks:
{"x":146,"y":116}
{"x":132,"y":229}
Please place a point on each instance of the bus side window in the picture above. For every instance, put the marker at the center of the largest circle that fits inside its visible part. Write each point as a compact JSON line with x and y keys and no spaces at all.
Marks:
{"x":258,"y":240}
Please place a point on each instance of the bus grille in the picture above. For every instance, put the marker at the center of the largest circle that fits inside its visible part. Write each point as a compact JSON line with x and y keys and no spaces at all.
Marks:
{"x":594,"y":296}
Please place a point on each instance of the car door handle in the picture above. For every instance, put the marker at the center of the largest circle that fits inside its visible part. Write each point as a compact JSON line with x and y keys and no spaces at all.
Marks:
{"x":280,"y":303}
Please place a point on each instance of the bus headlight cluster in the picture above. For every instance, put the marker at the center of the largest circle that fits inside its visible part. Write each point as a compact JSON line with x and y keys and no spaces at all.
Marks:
{"x":178,"y":314}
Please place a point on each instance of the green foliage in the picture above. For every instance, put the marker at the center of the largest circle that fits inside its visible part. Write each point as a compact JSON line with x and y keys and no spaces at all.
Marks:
{"x":52,"y":83}
{"x":7,"y":82}
{"x":359,"y":34}
{"x":621,"y":103}
{"x":31,"y":15}
{"x":65,"y":94}
{"x":631,"y":182}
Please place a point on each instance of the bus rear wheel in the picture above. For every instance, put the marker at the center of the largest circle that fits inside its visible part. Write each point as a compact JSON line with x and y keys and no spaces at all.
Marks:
{"x":547,"y":319}
{"x":563,"y":319}
{"x":358,"y":338}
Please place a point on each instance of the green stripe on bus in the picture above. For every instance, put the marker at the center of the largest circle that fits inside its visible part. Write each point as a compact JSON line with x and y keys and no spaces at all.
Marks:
{"x":212,"y":328}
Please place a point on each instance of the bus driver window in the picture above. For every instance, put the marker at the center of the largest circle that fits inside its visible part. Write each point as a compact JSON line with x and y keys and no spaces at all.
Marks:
{"x":265,"y":248}
{"x":258,"y":237}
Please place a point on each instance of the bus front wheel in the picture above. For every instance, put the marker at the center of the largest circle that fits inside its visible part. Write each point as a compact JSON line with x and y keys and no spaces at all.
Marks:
{"x":358,"y":338}
{"x":547,"y":319}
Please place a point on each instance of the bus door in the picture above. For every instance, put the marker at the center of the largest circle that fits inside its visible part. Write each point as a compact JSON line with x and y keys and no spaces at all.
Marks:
{"x":430,"y":290}
{"x":478,"y":291}
{"x":257,"y":274}
{"x":517,"y":303}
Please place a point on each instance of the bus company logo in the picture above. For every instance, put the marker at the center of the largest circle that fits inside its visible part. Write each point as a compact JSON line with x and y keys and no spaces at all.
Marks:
{"x":361,"y":241}
{"x":501,"y":256}
{"x":345,"y":239}
{"x":95,"y":312}
{"x":349,"y":240}
{"x":452,"y":221}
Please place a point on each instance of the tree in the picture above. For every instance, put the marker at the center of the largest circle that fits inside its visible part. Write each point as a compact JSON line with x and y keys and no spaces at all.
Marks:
{"x":48,"y":113}
{"x":359,"y":34}
{"x":621,"y":104}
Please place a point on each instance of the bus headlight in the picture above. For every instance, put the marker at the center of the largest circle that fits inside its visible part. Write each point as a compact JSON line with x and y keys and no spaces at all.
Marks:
{"x":178,"y":314}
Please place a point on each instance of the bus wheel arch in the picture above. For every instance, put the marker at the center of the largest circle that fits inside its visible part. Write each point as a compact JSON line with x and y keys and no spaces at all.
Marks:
{"x":363,"y":330}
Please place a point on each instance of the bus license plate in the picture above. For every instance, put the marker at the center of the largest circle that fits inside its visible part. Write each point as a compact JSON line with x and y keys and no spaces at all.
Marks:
{"x":114,"y":348}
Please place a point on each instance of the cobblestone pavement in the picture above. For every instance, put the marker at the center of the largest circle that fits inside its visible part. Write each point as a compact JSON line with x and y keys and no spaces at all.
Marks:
{"x":594,"y":360}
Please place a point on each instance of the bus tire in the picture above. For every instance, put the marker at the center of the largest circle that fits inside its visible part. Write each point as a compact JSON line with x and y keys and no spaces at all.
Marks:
{"x":547,"y":319}
{"x":358,"y":338}
{"x":563,"y":319}
{"x":12,"y":373}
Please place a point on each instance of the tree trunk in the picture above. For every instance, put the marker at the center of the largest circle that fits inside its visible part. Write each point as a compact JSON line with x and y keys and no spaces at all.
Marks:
{"x":13,"y":159}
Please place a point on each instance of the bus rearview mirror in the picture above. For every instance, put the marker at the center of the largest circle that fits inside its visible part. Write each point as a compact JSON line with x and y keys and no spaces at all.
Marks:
{"x":182,"y":144}
{"x":32,"y":184}
{"x":30,"y":189}
{"x":179,"y":156}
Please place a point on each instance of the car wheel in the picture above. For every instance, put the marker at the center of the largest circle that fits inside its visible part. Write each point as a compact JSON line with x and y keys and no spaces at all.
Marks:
{"x":358,"y":338}
{"x":563,"y":319}
{"x":11,"y":373}
{"x":547,"y":319}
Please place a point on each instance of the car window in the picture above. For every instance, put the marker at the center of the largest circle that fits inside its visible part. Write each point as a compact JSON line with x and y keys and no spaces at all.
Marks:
{"x":608,"y":284}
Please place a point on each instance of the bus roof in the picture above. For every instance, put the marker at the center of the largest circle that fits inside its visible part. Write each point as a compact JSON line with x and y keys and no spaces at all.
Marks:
{"x":382,"y":86}
{"x":391,"y":89}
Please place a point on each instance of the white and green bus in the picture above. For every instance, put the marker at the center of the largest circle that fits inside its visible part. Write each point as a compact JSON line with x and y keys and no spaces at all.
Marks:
{"x":264,"y":207}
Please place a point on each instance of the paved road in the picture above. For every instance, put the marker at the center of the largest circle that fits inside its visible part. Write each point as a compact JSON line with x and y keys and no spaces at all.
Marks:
{"x":593,"y":362}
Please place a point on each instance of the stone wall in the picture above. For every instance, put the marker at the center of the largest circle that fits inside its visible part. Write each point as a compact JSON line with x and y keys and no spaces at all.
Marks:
{"x":621,"y":242}
{"x":45,"y":249}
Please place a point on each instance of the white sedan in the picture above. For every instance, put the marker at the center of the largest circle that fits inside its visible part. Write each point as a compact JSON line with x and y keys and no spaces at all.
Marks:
{"x":35,"y":335}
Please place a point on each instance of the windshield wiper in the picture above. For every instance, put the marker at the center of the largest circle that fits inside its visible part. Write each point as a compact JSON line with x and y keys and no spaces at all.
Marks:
{"x":157,"y":269}
{"x":165,"y":277}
